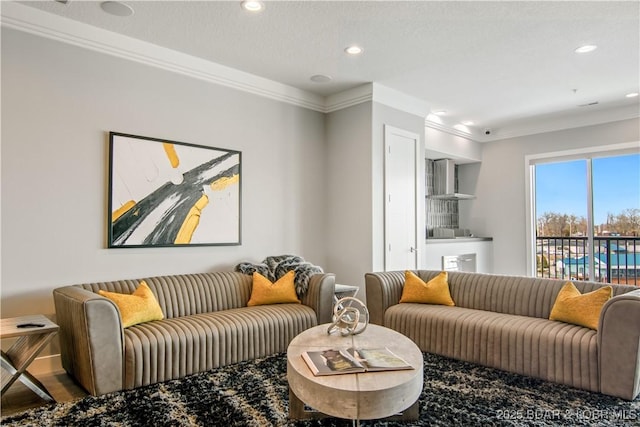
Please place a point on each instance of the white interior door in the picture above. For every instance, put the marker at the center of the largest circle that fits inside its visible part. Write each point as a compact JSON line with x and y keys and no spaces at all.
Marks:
{"x":400,"y":196}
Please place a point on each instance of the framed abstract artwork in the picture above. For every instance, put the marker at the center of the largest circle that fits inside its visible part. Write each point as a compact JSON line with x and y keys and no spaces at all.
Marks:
{"x":167,"y":193}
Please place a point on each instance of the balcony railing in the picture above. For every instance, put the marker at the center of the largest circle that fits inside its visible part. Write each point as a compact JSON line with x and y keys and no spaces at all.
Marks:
{"x":616,"y":259}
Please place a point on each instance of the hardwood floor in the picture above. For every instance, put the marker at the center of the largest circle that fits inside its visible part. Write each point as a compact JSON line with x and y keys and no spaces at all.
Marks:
{"x":61,"y":386}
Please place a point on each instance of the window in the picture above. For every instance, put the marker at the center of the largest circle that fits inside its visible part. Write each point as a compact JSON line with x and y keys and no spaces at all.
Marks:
{"x":585,"y":217}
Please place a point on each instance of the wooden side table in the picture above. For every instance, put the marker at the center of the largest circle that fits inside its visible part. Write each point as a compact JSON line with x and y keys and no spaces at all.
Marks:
{"x":31,"y":340}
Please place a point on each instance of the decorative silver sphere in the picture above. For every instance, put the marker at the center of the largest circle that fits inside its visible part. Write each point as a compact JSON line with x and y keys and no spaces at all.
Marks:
{"x":350,"y":317}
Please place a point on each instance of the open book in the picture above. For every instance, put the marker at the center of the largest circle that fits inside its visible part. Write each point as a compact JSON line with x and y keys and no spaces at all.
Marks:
{"x":333,"y":361}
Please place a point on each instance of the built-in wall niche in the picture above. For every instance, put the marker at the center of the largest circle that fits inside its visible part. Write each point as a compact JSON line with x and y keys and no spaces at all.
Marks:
{"x":441,"y":207}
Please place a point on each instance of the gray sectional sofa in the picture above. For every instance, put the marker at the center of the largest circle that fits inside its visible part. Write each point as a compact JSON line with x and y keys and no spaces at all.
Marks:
{"x":206,"y":324}
{"x":502,"y":322}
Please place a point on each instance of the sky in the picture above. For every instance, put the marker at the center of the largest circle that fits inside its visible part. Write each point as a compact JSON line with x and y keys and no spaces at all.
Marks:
{"x":562,"y":187}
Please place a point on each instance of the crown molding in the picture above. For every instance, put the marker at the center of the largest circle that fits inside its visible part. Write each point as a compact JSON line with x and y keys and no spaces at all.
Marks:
{"x":348,"y":98}
{"x":448,"y":129}
{"x":545,"y":123}
{"x":377,"y":93}
{"x":399,"y":100}
{"x":562,"y":121}
{"x":59,"y":28}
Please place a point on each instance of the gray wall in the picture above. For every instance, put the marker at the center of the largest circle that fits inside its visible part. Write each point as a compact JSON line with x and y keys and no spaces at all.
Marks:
{"x":499,"y":208}
{"x":349,"y":238}
{"x":355,"y":220}
{"x":58,"y":104}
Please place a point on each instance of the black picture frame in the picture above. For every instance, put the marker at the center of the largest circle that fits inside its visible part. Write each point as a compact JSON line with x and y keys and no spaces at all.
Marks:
{"x":165,"y":193}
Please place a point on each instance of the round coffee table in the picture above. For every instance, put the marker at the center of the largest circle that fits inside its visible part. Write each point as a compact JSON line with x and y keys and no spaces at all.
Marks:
{"x":361,"y":396}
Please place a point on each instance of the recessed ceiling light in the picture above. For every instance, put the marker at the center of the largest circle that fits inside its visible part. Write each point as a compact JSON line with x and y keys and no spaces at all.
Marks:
{"x":632,"y":95}
{"x":440,"y":112}
{"x":320,"y":78}
{"x":116,"y":8}
{"x":354,"y":50}
{"x":468,"y":123}
{"x":252,"y":5}
{"x":586,"y":48}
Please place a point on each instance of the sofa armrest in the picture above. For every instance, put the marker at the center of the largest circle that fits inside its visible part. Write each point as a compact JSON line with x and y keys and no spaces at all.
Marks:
{"x":384,"y":289}
{"x":319,"y":296}
{"x":619,"y":346}
{"x":91,"y":339}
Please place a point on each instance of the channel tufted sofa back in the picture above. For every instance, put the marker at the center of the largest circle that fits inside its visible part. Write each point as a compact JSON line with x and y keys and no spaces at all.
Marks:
{"x":189,"y":294}
{"x":523,"y":296}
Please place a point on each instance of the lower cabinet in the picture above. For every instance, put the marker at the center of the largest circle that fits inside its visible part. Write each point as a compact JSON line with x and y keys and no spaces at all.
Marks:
{"x":436,"y":249}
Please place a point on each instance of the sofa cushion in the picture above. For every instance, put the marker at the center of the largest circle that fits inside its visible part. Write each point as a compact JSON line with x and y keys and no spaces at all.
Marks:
{"x":571,"y":306}
{"x":536,"y":347}
{"x":139,"y":307}
{"x":281,"y":291}
{"x":176,"y":347}
{"x":435,"y":291}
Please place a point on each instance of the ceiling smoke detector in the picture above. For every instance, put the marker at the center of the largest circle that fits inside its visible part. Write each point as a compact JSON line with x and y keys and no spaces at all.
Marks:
{"x":116,"y":8}
{"x":320,"y":78}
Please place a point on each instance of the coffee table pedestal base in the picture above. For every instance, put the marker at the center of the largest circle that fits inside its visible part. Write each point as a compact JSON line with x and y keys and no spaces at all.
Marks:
{"x":297,"y":411}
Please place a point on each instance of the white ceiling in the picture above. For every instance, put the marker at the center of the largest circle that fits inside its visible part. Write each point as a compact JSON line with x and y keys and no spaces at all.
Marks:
{"x":508,"y":66}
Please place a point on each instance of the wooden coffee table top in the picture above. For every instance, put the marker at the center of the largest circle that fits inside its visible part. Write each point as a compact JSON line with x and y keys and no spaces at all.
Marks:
{"x":363,"y":396}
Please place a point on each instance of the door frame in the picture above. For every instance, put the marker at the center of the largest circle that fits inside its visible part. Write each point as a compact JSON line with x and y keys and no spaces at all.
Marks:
{"x":419,"y":161}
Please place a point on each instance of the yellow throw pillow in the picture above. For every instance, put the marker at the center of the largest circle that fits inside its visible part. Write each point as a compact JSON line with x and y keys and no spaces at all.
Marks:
{"x":282,"y":291}
{"x":580,"y":309}
{"x":435,"y":291}
{"x":138,"y":307}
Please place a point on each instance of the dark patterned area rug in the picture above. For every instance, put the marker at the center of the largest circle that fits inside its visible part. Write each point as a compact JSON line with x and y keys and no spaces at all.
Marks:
{"x":255,"y":393}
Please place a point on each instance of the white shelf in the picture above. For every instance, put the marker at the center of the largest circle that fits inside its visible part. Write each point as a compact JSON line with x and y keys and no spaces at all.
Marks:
{"x":454,"y":196}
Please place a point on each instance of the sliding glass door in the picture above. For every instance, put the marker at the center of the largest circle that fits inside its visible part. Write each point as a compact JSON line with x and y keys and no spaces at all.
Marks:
{"x":587,"y":218}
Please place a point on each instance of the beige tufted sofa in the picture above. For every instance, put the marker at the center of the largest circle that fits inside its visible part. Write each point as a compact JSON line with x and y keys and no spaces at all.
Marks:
{"x":206,"y":324}
{"x":502,"y":322}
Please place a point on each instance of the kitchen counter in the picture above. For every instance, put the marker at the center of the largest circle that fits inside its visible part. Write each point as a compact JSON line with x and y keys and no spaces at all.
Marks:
{"x":432,"y":240}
